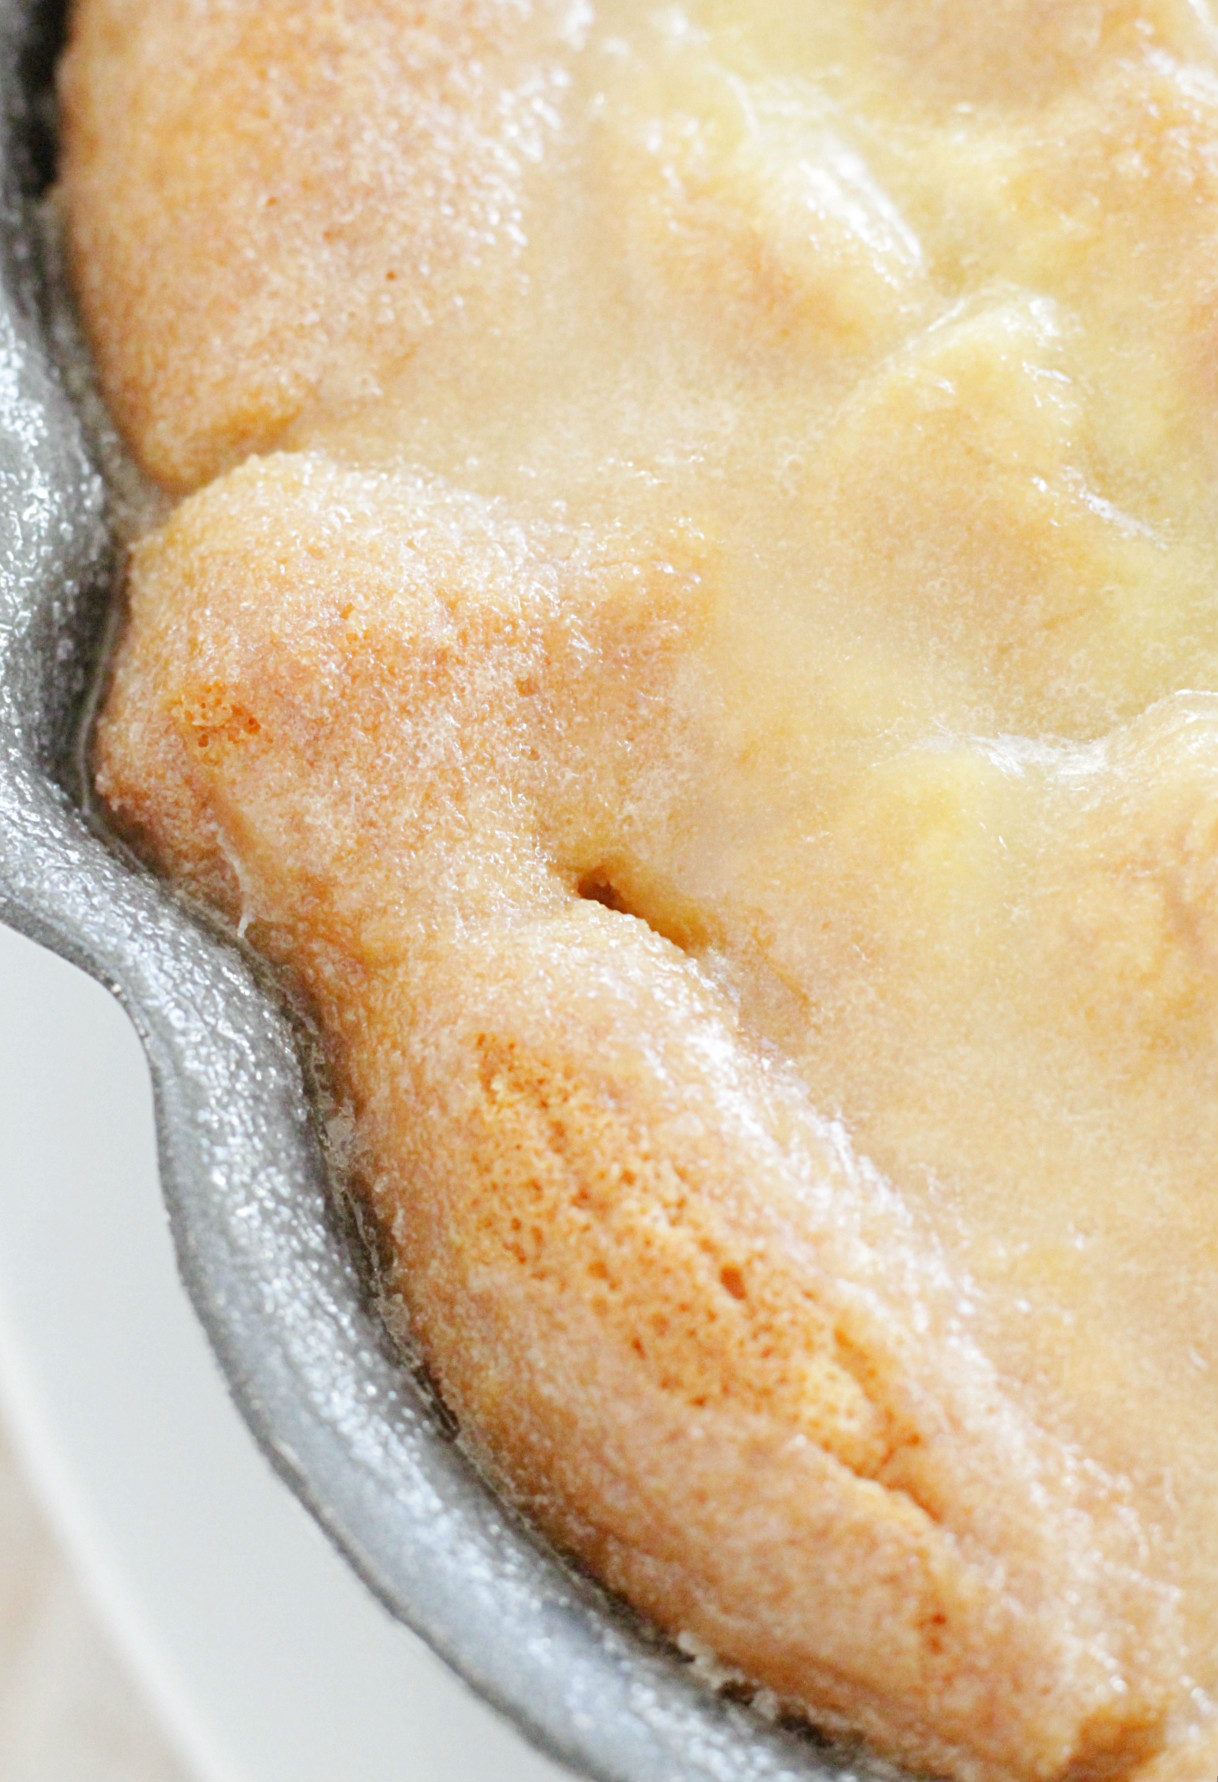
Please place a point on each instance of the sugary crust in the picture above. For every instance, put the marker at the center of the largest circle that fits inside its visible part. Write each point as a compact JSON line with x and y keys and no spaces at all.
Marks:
{"x":395,"y":730}
{"x":571,"y":831}
{"x":1021,"y":52}
{"x":270,"y":203}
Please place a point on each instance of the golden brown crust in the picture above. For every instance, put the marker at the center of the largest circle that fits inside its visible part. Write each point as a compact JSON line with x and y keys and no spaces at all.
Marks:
{"x":670,"y":1304}
{"x":269,"y":203}
{"x":607,"y":854}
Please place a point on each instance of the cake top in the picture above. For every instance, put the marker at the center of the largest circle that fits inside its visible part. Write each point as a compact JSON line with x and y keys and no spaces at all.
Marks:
{"x":776,"y":446}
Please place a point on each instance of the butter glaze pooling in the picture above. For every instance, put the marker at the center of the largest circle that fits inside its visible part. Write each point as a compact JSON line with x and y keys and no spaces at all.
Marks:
{"x":692,"y":632}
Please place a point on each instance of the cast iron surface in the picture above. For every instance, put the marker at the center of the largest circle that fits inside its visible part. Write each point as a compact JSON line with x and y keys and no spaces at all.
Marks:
{"x":339,"y":1417}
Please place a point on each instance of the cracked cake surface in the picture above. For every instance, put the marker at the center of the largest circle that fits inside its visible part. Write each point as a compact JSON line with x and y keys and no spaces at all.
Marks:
{"x":690,"y":627}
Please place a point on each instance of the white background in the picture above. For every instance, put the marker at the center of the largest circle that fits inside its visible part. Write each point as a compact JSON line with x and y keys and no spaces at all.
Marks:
{"x":262,"y":1658}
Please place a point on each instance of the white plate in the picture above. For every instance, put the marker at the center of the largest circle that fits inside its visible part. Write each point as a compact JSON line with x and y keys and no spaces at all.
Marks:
{"x":266,"y":1658}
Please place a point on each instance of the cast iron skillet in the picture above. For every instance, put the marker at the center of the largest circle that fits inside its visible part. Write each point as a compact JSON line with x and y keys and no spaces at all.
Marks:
{"x":341,"y":1419}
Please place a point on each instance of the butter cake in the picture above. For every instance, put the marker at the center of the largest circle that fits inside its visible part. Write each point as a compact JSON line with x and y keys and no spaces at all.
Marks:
{"x":691,"y":630}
